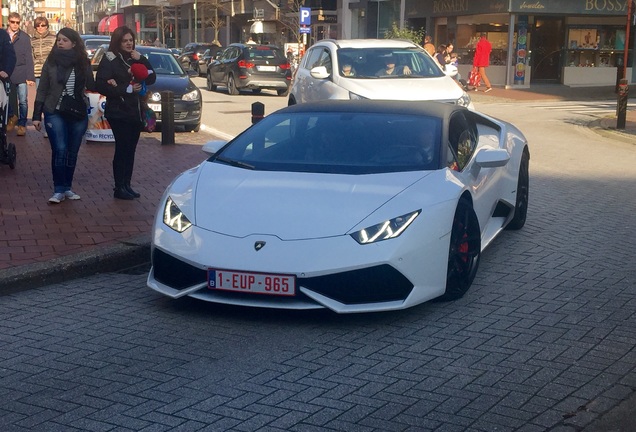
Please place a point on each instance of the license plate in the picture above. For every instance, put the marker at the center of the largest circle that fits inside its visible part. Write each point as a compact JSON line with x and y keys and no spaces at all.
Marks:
{"x":155,"y":107}
{"x":258,"y":283}
{"x":266,"y":68}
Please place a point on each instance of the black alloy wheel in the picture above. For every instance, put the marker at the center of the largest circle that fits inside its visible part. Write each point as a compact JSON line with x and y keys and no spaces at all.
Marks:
{"x":523,"y":193}
{"x":231,"y":85}
{"x":464,"y":251}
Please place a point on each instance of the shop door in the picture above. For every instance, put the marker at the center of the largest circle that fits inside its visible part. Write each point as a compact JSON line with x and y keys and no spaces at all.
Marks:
{"x":547,"y":39}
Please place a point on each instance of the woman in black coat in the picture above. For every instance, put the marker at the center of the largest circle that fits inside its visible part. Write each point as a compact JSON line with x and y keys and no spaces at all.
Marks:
{"x":123,"y":104}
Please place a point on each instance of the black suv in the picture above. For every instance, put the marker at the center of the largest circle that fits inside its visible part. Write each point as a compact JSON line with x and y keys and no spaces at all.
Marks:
{"x":191,"y":56}
{"x":251,"y":67}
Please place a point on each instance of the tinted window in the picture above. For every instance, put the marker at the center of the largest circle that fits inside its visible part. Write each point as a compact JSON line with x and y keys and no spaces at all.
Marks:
{"x":164,"y":63}
{"x":346,"y":143}
{"x":462,"y":140}
{"x":266,"y":53}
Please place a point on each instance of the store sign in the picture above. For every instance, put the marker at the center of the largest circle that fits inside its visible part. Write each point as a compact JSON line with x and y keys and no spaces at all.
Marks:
{"x":414,"y":8}
{"x":583,"y":7}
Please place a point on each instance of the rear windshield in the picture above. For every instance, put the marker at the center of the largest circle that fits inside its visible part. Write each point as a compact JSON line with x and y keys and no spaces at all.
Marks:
{"x":266,"y":53}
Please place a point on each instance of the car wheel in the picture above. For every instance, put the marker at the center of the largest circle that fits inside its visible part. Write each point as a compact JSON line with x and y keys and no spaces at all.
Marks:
{"x":256,"y":91}
{"x":210,"y":86}
{"x":464,"y":251}
{"x":282,"y":92}
{"x":231,"y":85}
{"x":523,"y":189}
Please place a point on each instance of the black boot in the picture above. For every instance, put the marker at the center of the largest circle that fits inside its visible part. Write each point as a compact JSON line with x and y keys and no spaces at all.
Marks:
{"x":122,"y":193}
{"x":131,"y":191}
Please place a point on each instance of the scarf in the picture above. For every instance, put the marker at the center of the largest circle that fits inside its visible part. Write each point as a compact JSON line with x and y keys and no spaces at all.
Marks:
{"x":64,"y":59}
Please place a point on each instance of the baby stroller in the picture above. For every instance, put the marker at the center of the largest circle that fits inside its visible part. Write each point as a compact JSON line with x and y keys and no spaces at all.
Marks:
{"x":7,"y":149}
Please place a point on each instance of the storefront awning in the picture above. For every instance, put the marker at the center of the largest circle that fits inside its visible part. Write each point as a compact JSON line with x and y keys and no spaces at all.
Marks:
{"x":260,"y":27}
{"x":115,"y":20}
{"x":102,"y":26}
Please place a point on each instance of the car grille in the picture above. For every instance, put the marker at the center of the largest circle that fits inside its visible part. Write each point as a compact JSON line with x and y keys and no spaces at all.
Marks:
{"x":370,"y":285}
{"x":180,"y":115}
{"x":175,"y":273}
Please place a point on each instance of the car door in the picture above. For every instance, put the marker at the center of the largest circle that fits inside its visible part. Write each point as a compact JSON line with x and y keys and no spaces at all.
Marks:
{"x":229,"y":62}
{"x":484,"y":183}
{"x":218,"y":72}
{"x":316,"y":89}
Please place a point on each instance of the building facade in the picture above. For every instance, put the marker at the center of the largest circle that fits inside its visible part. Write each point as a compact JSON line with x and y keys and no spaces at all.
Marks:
{"x":572,"y":42}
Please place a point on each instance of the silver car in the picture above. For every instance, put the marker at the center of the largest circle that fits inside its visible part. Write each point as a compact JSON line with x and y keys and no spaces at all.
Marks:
{"x":373,"y":69}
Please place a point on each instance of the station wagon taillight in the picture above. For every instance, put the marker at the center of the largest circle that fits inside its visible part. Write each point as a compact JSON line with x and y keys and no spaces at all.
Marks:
{"x":245,"y":64}
{"x":285,"y":66}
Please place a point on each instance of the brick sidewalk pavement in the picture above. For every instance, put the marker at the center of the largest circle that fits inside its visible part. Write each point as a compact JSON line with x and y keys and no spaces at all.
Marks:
{"x":37,"y":234}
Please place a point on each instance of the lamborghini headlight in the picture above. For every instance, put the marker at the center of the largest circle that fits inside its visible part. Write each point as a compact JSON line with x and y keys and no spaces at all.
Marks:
{"x":174,"y":217}
{"x":386,"y":230}
{"x":192,"y":96}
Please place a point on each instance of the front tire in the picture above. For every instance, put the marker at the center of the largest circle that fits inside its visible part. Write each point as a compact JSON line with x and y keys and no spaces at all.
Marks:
{"x":464,"y":252}
{"x":231,"y":85}
{"x":523,"y":193}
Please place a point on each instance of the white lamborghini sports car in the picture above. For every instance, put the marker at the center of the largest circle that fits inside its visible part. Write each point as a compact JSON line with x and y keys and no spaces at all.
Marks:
{"x":354,"y":206}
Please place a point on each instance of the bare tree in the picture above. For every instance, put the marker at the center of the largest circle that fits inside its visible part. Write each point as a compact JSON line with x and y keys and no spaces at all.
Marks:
{"x":289,"y":17}
{"x":214,"y":12}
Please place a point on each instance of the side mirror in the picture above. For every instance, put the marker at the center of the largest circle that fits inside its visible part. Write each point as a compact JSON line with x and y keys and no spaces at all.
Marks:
{"x":211,"y":147}
{"x":319,"y":72}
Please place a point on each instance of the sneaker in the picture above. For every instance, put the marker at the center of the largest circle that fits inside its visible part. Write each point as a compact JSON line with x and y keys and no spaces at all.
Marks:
{"x":13,"y":120}
{"x":46,"y":135}
{"x":57,"y":198}
{"x":488,"y":89}
{"x":71,"y":195}
{"x":21,"y":130}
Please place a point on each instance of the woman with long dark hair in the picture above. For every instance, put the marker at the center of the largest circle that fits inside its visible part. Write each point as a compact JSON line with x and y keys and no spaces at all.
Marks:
{"x":123,"y":105}
{"x":66,"y":72}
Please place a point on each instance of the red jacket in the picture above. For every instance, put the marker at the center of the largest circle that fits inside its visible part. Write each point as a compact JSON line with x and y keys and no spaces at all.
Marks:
{"x":482,"y":53}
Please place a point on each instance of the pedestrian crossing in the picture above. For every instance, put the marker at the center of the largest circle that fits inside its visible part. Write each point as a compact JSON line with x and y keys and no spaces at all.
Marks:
{"x":591,"y":108}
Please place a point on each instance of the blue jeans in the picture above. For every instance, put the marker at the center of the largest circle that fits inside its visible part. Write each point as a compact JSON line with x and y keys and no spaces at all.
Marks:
{"x":65,"y":136}
{"x":22,"y":92}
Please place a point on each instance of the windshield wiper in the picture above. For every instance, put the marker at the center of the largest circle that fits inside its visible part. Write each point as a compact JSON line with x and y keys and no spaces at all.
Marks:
{"x":235,"y":163}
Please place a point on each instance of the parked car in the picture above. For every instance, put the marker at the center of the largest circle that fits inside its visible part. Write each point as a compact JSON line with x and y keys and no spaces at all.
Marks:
{"x":92,"y":42}
{"x":354,"y":206}
{"x":416,"y":75}
{"x":250,"y":67}
{"x":97,"y":56}
{"x":171,"y":76}
{"x":191,"y":56}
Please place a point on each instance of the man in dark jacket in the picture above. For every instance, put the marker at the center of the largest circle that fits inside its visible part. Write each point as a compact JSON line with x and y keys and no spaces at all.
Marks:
{"x":7,"y":56}
{"x":23,"y":73}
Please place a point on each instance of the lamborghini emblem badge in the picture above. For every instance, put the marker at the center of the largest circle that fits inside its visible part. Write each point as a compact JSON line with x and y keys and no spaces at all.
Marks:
{"x":259,"y":245}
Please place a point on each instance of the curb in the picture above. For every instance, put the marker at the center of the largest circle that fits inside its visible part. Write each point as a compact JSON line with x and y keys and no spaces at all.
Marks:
{"x":100,"y":259}
{"x":605,"y":127}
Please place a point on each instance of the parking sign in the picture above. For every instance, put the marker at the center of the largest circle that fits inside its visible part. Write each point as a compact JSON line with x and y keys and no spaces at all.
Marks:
{"x":305,"y":16}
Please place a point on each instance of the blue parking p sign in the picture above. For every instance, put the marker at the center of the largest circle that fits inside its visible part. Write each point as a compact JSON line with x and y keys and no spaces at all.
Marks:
{"x":305,"y":16}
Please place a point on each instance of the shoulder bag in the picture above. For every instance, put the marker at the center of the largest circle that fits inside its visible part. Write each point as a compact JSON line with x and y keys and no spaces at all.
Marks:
{"x":72,"y":107}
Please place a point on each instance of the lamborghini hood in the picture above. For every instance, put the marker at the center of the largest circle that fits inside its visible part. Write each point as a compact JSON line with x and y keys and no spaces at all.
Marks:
{"x":291,"y":206}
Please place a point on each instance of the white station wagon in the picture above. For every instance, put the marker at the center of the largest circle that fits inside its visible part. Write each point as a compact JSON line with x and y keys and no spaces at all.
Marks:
{"x":373,"y":69}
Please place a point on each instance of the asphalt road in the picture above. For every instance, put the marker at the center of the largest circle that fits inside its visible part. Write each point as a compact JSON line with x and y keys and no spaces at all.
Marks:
{"x":543,"y":341}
